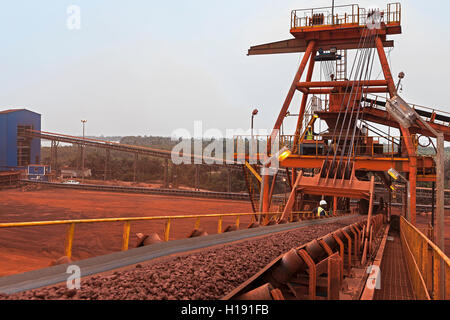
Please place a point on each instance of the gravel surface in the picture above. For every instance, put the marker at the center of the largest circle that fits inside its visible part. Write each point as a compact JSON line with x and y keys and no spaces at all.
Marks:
{"x":204,"y":275}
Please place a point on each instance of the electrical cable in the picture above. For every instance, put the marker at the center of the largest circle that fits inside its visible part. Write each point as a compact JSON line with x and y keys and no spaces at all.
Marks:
{"x":358,"y":62}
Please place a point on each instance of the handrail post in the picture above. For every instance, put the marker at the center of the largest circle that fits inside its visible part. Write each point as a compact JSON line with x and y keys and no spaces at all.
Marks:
{"x":237,"y":221}
{"x":392,"y":147}
{"x":126,"y":235}
{"x":197,"y":223}
{"x":219,"y":225}
{"x":69,"y":240}
{"x":167,"y":230}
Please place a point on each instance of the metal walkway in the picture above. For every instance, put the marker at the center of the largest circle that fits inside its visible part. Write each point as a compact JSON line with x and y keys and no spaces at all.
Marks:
{"x":395,"y":283}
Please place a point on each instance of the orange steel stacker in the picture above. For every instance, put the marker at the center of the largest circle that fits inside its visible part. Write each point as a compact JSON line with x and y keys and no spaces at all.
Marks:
{"x":343,"y":162}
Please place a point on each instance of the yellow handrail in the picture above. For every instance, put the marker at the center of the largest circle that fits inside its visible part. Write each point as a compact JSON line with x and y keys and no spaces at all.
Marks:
{"x":56,"y":222}
{"x":127,"y":220}
{"x":424,"y":260}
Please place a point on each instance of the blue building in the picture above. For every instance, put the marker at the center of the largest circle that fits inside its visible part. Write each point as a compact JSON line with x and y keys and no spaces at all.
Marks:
{"x":16,"y":150}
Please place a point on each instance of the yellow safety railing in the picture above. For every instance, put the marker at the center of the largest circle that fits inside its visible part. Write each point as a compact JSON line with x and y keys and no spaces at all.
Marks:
{"x":428,"y":266}
{"x":346,"y":15}
{"x":342,"y":15}
{"x":127,"y":224}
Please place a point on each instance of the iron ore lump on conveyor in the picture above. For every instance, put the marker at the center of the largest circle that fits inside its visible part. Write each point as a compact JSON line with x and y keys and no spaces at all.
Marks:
{"x":206,"y":275}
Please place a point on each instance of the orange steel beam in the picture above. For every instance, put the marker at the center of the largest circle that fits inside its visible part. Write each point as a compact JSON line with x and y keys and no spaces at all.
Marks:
{"x":334,"y":84}
{"x":361,"y":163}
{"x":339,"y":191}
{"x":304,"y":99}
{"x":332,"y":90}
{"x":291,"y":200}
{"x":426,"y":178}
{"x":300,"y":45}
{"x":334,"y":33}
{"x":338,"y":32}
{"x":385,"y":66}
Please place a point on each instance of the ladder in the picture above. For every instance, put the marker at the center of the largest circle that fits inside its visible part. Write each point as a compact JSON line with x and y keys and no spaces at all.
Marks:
{"x":341,"y":66}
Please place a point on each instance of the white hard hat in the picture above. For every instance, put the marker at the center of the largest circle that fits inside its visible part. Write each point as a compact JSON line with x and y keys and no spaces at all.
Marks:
{"x":323,"y":203}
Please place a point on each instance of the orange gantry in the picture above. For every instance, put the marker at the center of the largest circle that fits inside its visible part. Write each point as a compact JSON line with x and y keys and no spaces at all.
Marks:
{"x":348,"y":103}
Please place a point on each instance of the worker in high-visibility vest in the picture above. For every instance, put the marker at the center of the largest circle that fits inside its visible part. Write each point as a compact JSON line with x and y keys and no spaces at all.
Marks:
{"x":309,"y":133}
{"x":320,"y":210}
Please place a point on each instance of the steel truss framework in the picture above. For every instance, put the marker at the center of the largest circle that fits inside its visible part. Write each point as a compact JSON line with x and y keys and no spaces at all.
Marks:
{"x":309,"y":40}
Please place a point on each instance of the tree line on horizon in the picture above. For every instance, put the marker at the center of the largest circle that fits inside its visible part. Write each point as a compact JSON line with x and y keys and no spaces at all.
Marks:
{"x":151,"y":170}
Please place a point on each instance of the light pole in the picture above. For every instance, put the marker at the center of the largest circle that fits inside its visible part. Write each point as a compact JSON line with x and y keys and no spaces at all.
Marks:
{"x":82,"y":153}
{"x":252,"y":146}
{"x":332,"y":12}
{"x":288,"y":114}
{"x":254,"y":113}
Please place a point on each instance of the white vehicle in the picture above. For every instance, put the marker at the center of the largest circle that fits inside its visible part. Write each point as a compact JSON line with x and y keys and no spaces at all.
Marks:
{"x":71,"y":182}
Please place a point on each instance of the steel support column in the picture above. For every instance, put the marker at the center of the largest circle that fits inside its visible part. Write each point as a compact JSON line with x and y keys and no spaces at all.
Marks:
{"x":335,"y":205}
{"x":79,"y":157}
{"x":166,"y":174}
{"x":412,"y":189}
{"x":229,"y":179}
{"x":107,"y":165}
{"x":390,"y":200}
{"x":197,"y":177}
{"x":433,"y":204}
{"x":369,"y":221}
{"x":440,"y":223}
{"x":135,"y":166}
{"x":55,"y":168}
{"x":174,"y":176}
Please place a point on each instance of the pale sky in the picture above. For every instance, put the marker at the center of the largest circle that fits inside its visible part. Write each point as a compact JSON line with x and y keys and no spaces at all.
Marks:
{"x":145,"y":67}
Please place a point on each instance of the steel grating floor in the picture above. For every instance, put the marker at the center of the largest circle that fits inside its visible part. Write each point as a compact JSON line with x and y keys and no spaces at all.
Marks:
{"x":395,"y":283}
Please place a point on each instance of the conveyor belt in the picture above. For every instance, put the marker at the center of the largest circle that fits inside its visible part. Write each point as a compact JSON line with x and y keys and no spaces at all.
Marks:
{"x":425,"y":193}
{"x":148,"y":151}
{"x":57,"y":274}
{"x":422,"y":113}
{"x":157,"y":191}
